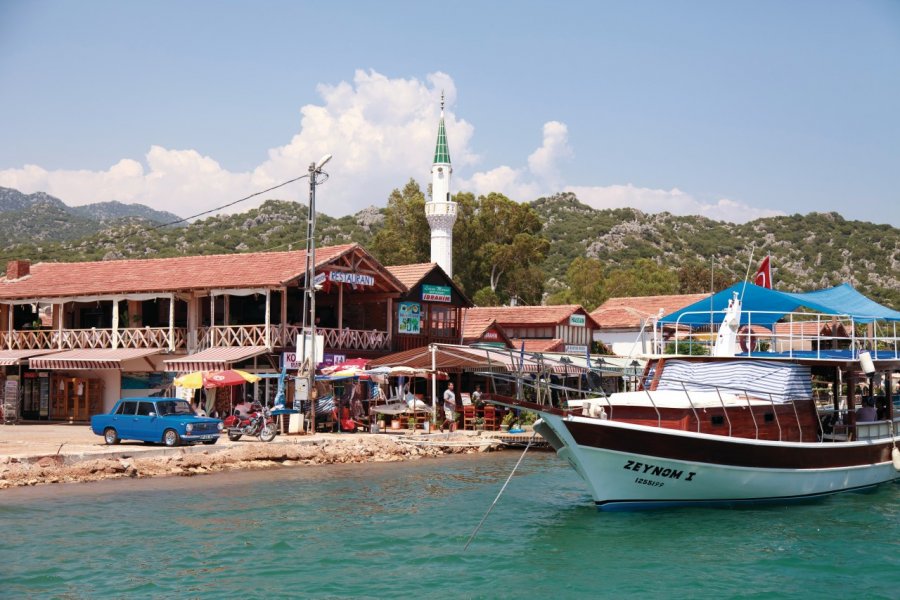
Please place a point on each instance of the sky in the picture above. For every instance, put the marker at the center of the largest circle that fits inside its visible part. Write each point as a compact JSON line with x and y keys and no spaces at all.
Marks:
{"x":731,"y":110}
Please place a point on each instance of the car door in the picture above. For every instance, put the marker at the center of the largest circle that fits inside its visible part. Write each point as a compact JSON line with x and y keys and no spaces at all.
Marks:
{"x":147,"y":425}
{"x":123,"y":419}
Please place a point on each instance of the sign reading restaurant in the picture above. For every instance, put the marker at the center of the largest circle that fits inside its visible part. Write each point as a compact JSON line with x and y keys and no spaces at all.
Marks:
{"x":352,"y":278}
{"x":436,"y":293}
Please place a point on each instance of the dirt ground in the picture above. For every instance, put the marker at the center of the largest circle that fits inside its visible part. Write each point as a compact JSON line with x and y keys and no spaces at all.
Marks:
{"x":34,"y":454}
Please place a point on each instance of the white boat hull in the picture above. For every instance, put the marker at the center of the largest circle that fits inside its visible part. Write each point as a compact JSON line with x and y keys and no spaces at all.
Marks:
{"x":631,"y":467}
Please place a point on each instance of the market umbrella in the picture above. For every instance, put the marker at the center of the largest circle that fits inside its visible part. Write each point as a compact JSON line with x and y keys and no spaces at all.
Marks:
{"x":215,"y":379}
{"x":353,"y":364}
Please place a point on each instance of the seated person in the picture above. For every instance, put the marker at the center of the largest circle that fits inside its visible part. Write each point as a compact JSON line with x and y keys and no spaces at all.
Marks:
{"x":867,"y":412}
{"x":244,"y":408}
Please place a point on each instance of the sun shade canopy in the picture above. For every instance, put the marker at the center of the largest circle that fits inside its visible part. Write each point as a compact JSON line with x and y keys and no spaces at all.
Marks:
{"x":768,"y":306}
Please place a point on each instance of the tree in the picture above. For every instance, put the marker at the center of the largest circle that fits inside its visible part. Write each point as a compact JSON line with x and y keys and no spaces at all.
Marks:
{"x":694,"y":278}
{"x":585,"y":284}
{"x":405,"y":237}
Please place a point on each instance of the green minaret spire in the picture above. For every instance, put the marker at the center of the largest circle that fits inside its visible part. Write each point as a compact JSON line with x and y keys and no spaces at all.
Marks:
{"x":442,"y":151}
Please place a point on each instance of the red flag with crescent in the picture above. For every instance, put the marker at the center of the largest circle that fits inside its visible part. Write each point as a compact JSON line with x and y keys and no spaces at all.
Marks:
{"x":763,"y":276}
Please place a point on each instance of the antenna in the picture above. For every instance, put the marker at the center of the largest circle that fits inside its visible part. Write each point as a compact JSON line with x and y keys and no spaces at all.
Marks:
{"x":749,"y":266}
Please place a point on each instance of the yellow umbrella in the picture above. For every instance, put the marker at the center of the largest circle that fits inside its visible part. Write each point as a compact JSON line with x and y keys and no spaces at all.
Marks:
{"x":215,"y":379}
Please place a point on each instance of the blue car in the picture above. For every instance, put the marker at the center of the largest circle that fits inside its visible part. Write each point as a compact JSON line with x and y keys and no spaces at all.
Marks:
{"x":168,"y":420}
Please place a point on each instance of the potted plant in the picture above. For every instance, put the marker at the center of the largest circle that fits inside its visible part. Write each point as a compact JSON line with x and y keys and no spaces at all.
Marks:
{"x":509,"y":421}
{"x":479,"y":423}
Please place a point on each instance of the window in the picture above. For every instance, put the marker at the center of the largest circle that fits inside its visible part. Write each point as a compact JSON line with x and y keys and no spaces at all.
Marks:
{"x":145,"y":408}
{"x":126,"y":408}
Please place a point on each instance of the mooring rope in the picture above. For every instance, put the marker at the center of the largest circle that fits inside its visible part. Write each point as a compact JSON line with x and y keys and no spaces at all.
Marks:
{"x":480,"y":523}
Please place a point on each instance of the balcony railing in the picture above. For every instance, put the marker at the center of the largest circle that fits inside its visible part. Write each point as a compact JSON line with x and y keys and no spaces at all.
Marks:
{"x":69,"y":339}
{"x":276,"y":336}
{"x":284,"y":336}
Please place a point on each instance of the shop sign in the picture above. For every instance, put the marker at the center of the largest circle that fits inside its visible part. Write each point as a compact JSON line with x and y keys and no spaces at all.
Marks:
{"x":577,"y":320}
{"x":351,"y":278}
{"x":319,"y":279}
{"x":436,"y":293}
{"x":410,"y":318}
{"x":490,"y":335}
{"x":576,"y":349}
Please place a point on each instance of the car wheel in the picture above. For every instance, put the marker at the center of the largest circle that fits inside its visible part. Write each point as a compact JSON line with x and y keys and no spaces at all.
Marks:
{"x":268,"y":433}
{"x":234,"y":436}
{"x":171,"y":438}
{"x":110,"y":436}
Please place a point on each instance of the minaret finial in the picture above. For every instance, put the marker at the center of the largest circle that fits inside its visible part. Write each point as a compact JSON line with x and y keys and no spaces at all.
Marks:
{"x":442,"y":100}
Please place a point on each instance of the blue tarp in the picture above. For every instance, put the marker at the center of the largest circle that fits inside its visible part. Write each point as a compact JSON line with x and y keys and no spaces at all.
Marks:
{"x":768,"y":306}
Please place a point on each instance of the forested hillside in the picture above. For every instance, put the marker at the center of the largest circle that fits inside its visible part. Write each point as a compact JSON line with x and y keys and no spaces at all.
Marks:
{"x":554,"y":249}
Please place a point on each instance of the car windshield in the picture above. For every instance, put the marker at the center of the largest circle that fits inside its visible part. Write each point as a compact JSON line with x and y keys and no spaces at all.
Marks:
{"x":174,"y":407}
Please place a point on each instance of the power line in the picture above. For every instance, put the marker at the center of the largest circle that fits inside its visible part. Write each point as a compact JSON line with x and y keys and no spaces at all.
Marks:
{"x":125,"y":236}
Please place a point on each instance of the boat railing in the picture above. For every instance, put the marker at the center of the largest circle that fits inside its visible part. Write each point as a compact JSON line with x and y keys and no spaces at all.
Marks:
{"x":793,"y":334}
{"x":725,"y":410}
{"x":694,"y":410}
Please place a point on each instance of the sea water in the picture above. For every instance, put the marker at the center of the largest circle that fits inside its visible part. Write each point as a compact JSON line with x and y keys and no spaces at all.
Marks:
{"x":397,"y":530}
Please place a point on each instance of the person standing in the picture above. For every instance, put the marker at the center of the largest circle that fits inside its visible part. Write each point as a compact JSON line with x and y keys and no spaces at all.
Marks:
{"x":449,"y":407}
{"x":476,"y":397}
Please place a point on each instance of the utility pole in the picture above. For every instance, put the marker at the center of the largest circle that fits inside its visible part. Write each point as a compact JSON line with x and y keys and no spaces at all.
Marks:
{"x":308,"y":362}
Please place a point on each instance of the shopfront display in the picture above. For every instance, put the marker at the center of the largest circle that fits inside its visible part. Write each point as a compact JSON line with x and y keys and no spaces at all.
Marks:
{"x":75,"y":398}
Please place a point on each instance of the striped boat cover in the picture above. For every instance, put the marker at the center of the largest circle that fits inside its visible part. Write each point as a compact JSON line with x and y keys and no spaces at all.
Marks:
{"x":782,"y":382}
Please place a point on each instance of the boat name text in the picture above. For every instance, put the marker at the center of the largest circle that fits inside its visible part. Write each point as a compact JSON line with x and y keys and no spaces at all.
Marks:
{"x":657,"y":471}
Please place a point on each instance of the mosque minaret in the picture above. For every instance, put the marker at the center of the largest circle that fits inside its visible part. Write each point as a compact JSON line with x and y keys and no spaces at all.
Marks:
{"x":441,"y":210}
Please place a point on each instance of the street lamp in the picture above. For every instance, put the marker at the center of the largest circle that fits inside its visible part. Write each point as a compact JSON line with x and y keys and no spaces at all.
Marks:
{"x":309,"y":290}
{"x":633,"y":370}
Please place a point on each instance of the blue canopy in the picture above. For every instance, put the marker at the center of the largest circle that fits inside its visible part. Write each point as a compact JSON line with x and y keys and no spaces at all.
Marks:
{"x":768,"y":306}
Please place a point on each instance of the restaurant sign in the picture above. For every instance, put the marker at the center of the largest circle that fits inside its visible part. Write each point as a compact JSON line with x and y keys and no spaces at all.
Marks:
{"x":576,"y":349}
{"x":410,"y":318}
{"x":577,"y":320}
{"x":352,"y":278}
{"x":435,"y":293}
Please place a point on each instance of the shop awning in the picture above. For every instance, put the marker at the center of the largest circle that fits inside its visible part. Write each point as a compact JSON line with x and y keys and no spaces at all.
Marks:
{"x":9,"y":358}
{"x":456,"y":359}
{"x":213,"y":359}
{"x":90,"y":358}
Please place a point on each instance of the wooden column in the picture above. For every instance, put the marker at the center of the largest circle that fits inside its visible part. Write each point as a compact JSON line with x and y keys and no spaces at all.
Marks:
{"x":171,"y":322}
{"x":340,"y":305}
{"x":115,"y":324}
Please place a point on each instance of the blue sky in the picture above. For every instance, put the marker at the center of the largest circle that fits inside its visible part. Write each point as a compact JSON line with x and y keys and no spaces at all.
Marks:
{"x":734,"y":110}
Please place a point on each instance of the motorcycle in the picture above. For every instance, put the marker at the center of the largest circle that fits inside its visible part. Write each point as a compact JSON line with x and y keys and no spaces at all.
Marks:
{"x":260,"y":424}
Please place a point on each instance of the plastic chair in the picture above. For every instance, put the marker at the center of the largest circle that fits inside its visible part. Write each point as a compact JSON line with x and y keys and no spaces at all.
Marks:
{"x":469,"y":416}
{"x":490,"y":418}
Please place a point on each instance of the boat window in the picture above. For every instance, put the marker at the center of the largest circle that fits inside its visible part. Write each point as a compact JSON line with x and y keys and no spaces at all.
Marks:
{"x":769,"y":417}
{"x":718,"y":420}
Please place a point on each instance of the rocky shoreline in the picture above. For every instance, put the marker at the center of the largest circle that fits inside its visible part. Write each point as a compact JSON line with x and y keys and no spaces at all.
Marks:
{"x":197,"y":460}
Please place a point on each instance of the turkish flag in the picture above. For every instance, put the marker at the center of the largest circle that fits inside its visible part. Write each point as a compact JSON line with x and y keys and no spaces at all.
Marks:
{"x":763,"y":277}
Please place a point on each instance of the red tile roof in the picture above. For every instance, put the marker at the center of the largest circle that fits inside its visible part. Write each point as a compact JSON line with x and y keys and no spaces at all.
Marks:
{"x":534,"y":345}
{"x":410,"y":275}
{"x":258,"y":269}
{"x":628,"y":311}
{"x":529,"y":315}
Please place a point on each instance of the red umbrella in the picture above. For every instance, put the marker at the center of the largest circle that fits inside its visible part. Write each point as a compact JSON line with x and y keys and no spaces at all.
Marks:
{"x":347,"y":365}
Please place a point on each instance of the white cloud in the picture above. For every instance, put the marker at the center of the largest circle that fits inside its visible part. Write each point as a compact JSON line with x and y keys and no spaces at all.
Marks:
{"x":381,"y":132}
{"x":673,"y":201}
{"x":541,"y":177}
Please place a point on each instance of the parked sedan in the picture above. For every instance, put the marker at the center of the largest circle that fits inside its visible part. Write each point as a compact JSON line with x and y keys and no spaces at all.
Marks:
{"x":168,"y":420}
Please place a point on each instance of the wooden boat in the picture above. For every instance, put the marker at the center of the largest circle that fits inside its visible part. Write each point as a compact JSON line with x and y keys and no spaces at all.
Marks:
{"x":727,"y":429}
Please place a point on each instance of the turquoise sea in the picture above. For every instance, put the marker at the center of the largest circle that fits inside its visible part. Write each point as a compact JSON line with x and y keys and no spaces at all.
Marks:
{"x":398,"y":530}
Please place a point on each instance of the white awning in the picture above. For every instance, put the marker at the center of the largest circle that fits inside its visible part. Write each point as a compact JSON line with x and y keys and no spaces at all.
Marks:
{"x":213,"y":359}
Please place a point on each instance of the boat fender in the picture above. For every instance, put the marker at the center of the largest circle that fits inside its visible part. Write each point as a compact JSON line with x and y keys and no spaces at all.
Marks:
{"x":895,"y":457}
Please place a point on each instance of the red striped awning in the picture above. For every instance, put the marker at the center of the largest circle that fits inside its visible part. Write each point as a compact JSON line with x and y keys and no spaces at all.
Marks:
{"x":90,"y":358}
{"x":9,"y":358}
{"x":213,"y":359}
